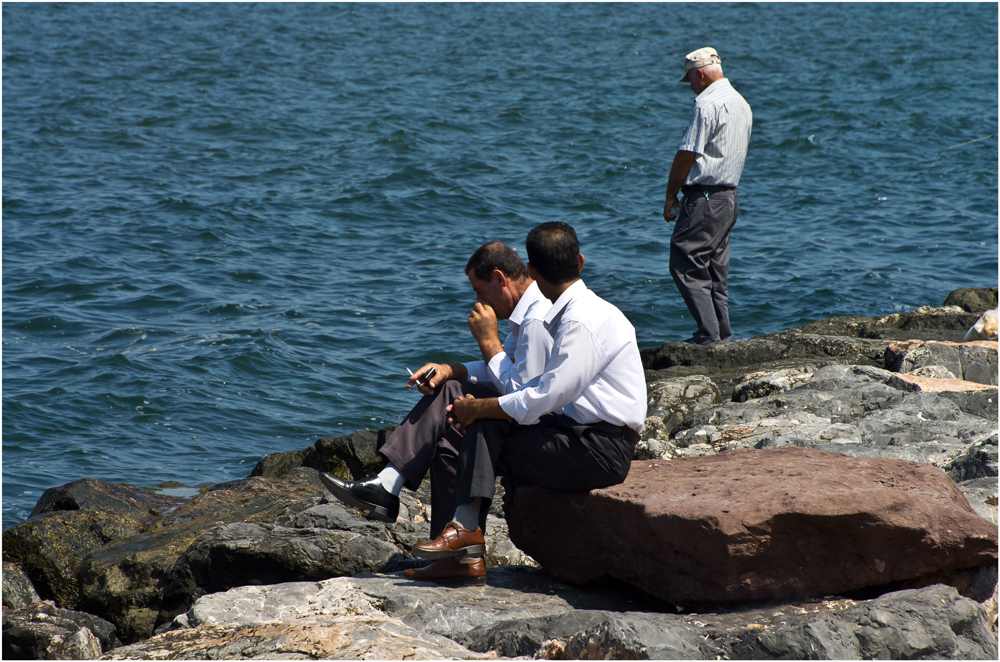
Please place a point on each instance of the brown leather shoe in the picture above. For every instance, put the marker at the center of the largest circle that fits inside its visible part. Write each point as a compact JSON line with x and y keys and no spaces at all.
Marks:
{"x":453,"y":541}
{"x":450,"y":571}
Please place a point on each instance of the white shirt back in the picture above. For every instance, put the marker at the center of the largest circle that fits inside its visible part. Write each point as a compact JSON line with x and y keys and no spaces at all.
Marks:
{"x":594,"y":373}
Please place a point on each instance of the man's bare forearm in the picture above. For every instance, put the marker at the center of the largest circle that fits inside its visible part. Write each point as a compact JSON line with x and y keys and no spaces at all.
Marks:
{"x":490,"y":347}
{"x":483,"y":325}
{"x":468,"y":410}
{"x":679,"y":171}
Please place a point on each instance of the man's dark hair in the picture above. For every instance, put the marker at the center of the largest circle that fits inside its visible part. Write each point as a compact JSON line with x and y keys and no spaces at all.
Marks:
{"x":554,"y":251}
{"x":496,"y":255}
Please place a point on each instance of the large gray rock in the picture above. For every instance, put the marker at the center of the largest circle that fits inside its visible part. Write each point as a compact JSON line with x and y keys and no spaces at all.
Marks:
{"x":727,"y":364}
{"x":671,"y":404}
{"x":137,"y":584}
{"x":526,"y":614}
{"x":51,"y":548}
{"x":595,"y":635}
{"x":928,"y":624}
{"x":384,"y":617}
{"x":325,"y":620}
{"x":673,"y":400}
{"x":982,"y":496}
{"x":18,"y":591}
{"x":137,"y":503}
{"x":764,"y":383}
{"x":971,"y":361}
{"x":838,"y":340}
{"x":857,"y":410}
{"x":973,"y":300}
{"x":42,"y":631}
{"x":755,"y":525}
{"x":242,"y":554}
{"x":350,"y":457}
{"x":979,"y":460}
{"x":515,"y":614}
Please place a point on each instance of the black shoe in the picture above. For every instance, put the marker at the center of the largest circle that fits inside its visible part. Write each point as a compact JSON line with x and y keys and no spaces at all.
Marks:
{"x":365,"y":494}
{"x":696,"y":340}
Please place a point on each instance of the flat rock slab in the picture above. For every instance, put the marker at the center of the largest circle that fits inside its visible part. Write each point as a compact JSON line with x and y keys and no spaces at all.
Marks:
{"x":755,"y":525}
{"x":525,"y":614}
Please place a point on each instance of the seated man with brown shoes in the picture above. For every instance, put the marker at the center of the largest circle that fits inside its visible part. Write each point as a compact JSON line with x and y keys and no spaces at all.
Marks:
{"x":572,"y":429}
{"x":424,"y":441}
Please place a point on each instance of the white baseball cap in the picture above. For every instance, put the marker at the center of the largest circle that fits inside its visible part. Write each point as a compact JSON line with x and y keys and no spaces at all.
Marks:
{"x":698,"y":59}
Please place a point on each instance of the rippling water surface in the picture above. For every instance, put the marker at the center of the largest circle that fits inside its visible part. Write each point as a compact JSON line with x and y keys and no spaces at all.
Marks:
{"x":228,"y":227}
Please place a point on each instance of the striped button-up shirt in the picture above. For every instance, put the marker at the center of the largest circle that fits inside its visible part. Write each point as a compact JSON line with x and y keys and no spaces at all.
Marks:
{"x":719,"y":134}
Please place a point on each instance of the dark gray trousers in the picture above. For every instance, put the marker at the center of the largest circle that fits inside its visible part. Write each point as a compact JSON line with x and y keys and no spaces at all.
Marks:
{"x":424,"y":441}
{"x":699,"y":258}
{"x":556,"y":453}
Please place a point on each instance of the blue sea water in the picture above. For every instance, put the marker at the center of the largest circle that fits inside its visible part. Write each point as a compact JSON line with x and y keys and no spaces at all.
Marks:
{"x":228,"y":227}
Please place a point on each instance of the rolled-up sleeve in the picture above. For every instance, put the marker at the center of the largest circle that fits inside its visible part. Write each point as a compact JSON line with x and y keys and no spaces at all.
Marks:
{"x":478,"y":373}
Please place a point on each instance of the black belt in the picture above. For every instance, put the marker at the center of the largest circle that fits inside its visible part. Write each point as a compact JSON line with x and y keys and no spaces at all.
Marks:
{"x":623,"y":431}
{"x":706,"y":188}
{"x":609,"y":429}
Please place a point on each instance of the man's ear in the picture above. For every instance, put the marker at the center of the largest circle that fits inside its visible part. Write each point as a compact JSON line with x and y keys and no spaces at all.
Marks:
{"x":532,"y":272}
{"x":500,"y":278}
{"x":581,"y":262}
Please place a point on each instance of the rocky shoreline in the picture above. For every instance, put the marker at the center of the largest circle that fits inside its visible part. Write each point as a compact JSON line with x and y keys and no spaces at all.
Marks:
{"x":750,"y":449}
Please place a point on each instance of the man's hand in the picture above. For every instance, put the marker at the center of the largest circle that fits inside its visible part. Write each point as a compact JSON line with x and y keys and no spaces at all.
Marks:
{"x":668,"y":209}
{"x":466,"y":410}
{"x":679,"y":170}
{"x":443,"y":372}
{"x":483,"y":325}
{"x":483,"y":322}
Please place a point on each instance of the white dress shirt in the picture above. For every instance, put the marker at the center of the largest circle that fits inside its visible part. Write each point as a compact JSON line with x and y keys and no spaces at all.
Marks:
{"x":525,"y":350}
{"x":719,"y":133}
{"x":594,"y":372}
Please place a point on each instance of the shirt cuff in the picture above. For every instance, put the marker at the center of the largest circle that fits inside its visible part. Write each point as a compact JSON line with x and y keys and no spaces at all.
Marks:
{"x":513,"y":405}
{"x":495,"y":365}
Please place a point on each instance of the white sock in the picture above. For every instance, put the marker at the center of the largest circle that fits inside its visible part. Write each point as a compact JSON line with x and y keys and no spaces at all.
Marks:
{"x":467,"y":515}
{"x":391,"y":479}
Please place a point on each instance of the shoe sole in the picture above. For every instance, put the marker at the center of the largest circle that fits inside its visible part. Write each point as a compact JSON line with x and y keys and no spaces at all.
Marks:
{"x":470,"y":550}
{"x":465,"y":581}
{"x":458,"y":581}
{"x":380,"y":513}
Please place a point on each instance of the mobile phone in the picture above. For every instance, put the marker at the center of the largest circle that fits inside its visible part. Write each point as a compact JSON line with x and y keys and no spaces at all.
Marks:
{"x":430,"y":373}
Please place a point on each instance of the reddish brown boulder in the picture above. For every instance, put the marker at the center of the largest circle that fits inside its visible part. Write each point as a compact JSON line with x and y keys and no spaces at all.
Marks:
{"x":755,"y":524}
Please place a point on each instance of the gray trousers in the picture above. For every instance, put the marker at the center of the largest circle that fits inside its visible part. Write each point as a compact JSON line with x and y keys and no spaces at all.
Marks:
{"x":556,"y":453}
{"x":425,"y":442}
{"x":699,"y":258}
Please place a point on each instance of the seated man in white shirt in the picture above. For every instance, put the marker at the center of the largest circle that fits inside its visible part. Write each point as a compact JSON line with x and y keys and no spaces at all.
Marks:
{"x":572,"y":429}
{"x":424,"y":441}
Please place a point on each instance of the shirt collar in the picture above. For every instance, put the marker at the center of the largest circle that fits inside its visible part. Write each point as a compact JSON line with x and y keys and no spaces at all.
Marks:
{"x":572,"y":292}
{"x":717,"y":86}
{"x":529,"y":297}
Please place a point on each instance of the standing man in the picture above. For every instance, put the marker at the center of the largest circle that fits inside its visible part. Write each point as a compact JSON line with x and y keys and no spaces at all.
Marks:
{"x":424,"y":441}
{"x":573,"y":429}
{"x":707,"y":168}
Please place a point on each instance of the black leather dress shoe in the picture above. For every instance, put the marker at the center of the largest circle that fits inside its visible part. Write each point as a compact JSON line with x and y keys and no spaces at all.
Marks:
{"x":365,"y":494}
